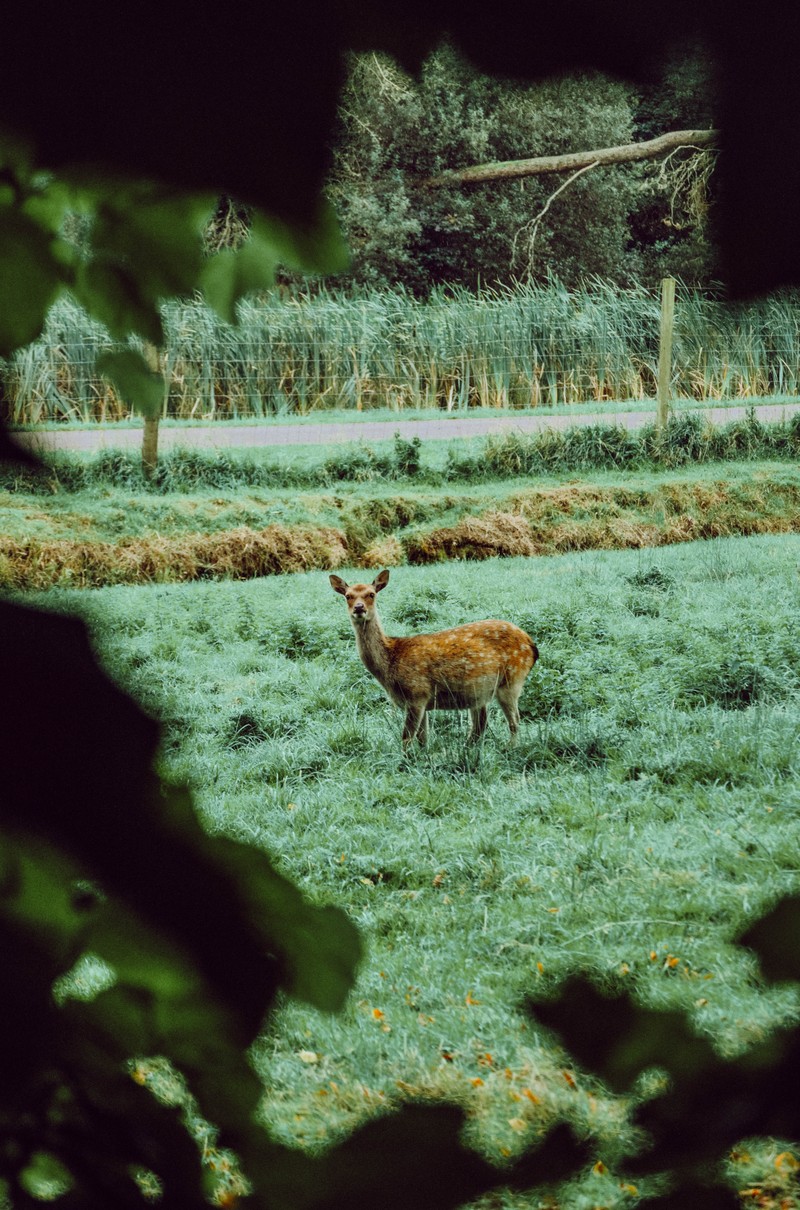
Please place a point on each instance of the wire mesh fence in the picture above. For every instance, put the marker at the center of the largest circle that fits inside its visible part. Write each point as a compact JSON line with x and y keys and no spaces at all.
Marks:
{"x":529,"y":347}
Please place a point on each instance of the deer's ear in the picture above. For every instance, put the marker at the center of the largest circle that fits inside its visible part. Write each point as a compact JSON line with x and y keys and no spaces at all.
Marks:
{"x":381,"y":580}
{"x":338,"y":584}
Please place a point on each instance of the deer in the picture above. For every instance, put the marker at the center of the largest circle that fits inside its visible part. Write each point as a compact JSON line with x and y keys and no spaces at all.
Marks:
{"x":458,"y":669}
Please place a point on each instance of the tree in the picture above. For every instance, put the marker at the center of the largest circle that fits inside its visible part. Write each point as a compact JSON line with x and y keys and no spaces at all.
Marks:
{"x":687,"y":178}
{"x":398,"y":137}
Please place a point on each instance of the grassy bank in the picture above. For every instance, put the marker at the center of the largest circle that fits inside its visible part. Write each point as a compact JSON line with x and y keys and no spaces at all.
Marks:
{"x":94,"y":538}
{"x":687,"y":440}
{"x":651,"y":806}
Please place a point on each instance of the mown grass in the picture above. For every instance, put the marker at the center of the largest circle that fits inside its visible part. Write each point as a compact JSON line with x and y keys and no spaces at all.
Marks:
{"x":651,"y":807}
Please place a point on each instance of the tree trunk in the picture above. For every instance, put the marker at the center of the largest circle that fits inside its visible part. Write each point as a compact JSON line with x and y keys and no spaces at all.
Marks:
{"x":150,"y":435}
{"x":575,"y":160}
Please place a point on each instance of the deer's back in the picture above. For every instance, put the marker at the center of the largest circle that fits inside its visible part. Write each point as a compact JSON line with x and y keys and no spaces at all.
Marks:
{"x":464,"y":660}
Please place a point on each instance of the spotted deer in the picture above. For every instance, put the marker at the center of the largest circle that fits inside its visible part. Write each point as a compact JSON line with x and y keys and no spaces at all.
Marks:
{"x":458,"y":669}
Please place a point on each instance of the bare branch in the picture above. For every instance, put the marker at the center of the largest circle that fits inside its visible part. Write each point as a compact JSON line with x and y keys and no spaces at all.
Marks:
{"x":532,"y":226}
{"x":687,"y":179}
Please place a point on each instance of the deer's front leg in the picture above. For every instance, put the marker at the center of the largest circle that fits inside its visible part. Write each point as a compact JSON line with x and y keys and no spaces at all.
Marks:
{"x":415,"y":721}
{"x":422,"y":730}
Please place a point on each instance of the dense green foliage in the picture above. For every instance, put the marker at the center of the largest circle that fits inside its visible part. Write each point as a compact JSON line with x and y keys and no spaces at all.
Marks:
{"x":529,"y":347}
{"x":626,"y":224}
{"x":650,"y":807}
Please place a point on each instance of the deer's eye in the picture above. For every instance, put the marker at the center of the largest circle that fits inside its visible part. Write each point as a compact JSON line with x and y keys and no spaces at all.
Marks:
{"x":371,"y":596}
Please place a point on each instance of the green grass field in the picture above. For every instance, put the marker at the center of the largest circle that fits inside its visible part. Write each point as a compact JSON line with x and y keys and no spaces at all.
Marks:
{"x":650,"y":808}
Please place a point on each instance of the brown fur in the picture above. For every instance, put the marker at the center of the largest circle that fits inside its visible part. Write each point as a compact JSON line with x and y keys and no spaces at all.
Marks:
{"x":458,"y":669}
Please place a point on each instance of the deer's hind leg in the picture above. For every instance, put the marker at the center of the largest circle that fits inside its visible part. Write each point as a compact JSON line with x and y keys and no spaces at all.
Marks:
{"x":479,"y":716}
{"x":508,"y":696}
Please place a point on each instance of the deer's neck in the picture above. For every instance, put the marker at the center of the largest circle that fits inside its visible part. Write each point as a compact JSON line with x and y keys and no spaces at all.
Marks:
{"x":373,"y":647}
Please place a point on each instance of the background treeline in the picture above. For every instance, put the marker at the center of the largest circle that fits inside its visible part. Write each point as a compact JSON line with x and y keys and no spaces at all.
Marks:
{"x":627,"y":224}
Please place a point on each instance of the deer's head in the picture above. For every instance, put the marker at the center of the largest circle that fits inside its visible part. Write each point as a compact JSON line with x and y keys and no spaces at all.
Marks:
{"x":360,"y":598}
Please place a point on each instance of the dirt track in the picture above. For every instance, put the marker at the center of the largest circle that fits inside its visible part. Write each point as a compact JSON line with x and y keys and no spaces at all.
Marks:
{"x":441,"y":429}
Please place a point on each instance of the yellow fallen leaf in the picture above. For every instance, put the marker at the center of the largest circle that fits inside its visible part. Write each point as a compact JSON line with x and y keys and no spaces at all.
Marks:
{"x":308,"y":1056}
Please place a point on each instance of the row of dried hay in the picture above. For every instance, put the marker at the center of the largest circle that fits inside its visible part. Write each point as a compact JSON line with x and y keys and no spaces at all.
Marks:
{"x":542,"y":521}
{"x":576,"y":517}
{"x":504,"y":534}
{"x":238,"y":554}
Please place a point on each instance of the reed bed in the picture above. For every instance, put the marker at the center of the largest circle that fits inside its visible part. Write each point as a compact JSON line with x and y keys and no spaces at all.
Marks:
{"x":528,"y":347}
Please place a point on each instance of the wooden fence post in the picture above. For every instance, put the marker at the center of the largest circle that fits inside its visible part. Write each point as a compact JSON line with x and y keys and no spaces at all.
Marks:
{"x":665,"y":350}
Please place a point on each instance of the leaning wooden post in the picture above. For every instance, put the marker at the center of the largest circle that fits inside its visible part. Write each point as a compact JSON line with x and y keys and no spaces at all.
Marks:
{"x":665,"y":350}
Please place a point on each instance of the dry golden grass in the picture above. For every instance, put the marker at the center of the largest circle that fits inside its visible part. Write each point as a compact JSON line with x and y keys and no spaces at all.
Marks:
{"x":538,"y":521}
{"x":386,"y":552}
{"x":574,"y":518}
{"x":239,"y":554}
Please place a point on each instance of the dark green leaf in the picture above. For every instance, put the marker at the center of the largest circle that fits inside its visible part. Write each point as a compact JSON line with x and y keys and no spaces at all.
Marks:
{"x":133,"y":380}
{"x":316,"y":247}
{"x":48,"y":205}
{"x":559,"y":1156}
{"x":615,"y":1037}
{"x":31,"y":1036}
{"x":230,"y":275}
{"x":413,"y":1158}
{"x":776,"y":940}
{"x":110,"y":293}
{"x":694,"y":1122}
{"x":30,"y":278}
{"x":319,"y":946}
{"x":155,"y":236}
{"x":221,"y":901}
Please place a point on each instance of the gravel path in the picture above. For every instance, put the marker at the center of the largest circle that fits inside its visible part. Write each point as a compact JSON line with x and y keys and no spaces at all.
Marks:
{"x":441,"y":429}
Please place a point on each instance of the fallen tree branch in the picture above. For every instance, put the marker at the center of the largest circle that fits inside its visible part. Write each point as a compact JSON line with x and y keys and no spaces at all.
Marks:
{"x":575,"y":160}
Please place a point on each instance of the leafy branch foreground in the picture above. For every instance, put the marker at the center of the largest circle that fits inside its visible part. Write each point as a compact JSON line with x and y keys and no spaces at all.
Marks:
{"x":201,"y":933}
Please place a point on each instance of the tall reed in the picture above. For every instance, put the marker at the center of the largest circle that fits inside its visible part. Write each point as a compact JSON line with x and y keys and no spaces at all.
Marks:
{"x":507,"y":348}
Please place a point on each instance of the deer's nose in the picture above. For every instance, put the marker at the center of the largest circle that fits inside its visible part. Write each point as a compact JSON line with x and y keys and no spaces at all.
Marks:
{"x":359,"y":607}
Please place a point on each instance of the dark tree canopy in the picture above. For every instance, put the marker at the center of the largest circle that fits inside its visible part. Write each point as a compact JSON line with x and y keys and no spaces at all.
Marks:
{"x":248,"y":109}
{"x":455,"y":177}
